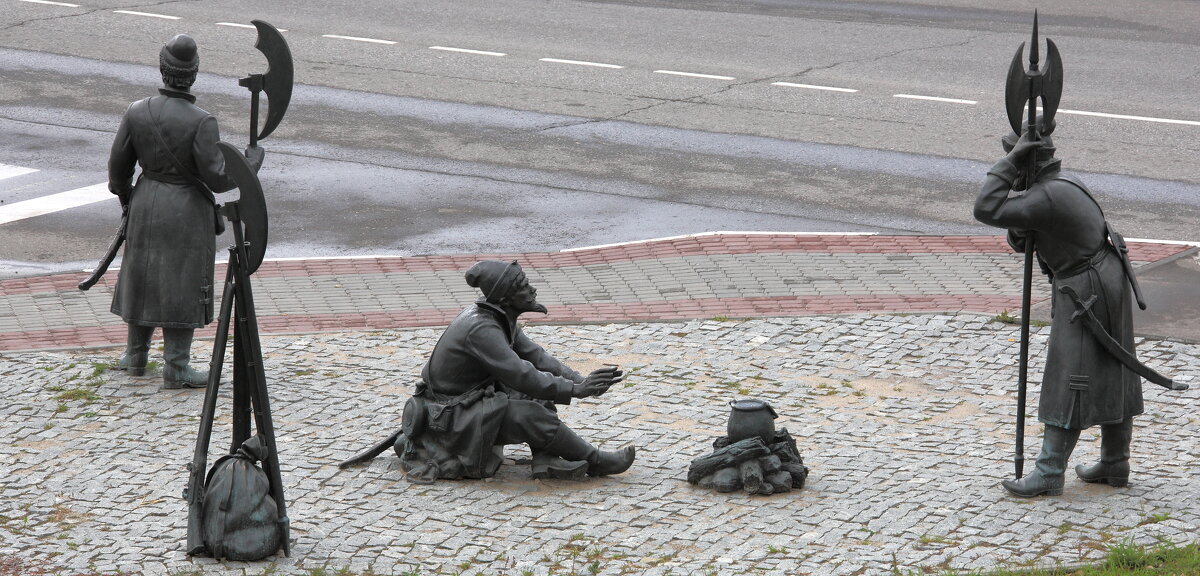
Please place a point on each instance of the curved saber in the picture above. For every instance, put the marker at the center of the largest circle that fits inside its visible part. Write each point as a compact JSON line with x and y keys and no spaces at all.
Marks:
{"x":111,"y":254}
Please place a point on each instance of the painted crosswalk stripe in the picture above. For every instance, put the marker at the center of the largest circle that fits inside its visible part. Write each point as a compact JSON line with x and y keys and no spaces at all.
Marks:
{"x":10,"y":171}
{"x":55,"y":202}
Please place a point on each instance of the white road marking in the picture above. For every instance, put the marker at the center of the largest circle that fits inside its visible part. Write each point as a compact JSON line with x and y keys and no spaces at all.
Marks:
{"x":150,"y":14}
{"x":716,"y":233}
{"x":580,"y":63}
{"x":9,"y":171}
{"x":694,"y":75}
{"x":239,"y":25}
{"x":467,"y":51}
{"x":934,"y":99}
{"x":55,"y":202}
{"x":51,"y":3}
{"x":1127,"y":117}
{"x":813,"y":87}
{"x":1149,"y":241}
{"x":357,"y":39}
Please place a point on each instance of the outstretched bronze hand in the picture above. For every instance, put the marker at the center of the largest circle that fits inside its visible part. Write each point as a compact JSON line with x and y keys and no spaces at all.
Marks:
{"x":598,"y":382}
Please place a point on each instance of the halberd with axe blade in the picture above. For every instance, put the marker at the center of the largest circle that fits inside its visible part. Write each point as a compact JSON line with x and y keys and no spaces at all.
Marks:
{"x":276,"y":81}
{"x":1022,"y":91}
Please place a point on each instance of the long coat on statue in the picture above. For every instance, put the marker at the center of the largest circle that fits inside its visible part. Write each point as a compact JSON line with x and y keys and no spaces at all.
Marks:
{"x":482,"y":362}
{"x":166,"y":276}
{"x":1083,"y":385}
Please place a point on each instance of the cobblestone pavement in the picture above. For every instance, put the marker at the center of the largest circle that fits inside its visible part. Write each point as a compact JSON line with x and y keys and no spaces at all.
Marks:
{"x":905,"y":420}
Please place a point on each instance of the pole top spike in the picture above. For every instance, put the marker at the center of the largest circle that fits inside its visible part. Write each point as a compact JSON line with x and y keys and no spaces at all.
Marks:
{"x":1033,"y":45}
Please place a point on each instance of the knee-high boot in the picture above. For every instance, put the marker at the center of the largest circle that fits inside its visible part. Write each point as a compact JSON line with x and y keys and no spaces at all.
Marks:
{"x":177,"y":353}
{"x":1047,"y":476}
{"x":1113,"y":467}
{"x":569,"y":446}
{"x":137,"y":347}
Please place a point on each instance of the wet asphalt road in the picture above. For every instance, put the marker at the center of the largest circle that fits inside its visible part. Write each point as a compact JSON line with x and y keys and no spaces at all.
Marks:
{"x":400,"y":149}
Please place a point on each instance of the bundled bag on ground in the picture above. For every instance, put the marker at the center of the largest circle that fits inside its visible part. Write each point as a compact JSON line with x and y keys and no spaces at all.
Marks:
{"x":241,"y":519}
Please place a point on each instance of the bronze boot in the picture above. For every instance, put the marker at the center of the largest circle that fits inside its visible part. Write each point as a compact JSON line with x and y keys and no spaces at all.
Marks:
{"x":606,"y":463}
{"x":1113,"y":467}
{"x":137,"y":347}
{"x":177,"y":353}
{"x":546,"y":465}
{"x":569,"y":446}
{"x":1047,"y":476}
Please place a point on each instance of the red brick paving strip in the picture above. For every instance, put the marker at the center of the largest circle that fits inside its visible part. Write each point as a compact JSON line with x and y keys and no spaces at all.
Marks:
{"x":114,"y":335}
{"x":706,"y":245}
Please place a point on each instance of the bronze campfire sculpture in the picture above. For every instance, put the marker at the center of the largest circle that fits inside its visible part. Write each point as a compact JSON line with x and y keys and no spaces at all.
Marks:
{"x":487,"y":385}
{"x":1092,"y":376}
{"x":753,"y":456}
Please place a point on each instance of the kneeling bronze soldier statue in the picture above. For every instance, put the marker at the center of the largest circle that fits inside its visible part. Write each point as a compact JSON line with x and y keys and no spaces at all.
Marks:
{"x":1091,"y":376}
{"x":487,"y":385}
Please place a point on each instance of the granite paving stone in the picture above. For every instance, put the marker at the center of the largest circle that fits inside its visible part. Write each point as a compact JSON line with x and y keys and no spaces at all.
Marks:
{"x":905,"y":469}
{"x":905,"y":419}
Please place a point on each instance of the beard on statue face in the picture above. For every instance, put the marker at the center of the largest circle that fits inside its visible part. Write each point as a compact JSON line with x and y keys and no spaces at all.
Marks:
{"x":524,"y":299}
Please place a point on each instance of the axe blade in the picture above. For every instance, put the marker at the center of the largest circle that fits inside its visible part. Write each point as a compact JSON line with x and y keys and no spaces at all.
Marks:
{"x":252,"y":206}
{"x":1052,"y":83}
{"x":277,"y":81}
{"x":1016,"y":91}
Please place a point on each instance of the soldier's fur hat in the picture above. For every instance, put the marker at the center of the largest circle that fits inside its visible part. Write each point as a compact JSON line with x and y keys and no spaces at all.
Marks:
{"x":179,"y":61}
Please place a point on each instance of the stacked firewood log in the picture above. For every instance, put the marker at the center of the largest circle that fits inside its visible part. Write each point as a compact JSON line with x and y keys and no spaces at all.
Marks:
{"x":751,"y":465}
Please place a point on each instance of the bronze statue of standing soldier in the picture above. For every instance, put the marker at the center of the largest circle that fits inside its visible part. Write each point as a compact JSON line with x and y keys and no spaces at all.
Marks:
{"x":166,"y":277}
{"x":1091,"y":377}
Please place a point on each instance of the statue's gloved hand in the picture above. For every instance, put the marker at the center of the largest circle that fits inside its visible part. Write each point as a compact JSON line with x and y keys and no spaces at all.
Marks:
{"x":598,"y":382}
{"x":255,"y":155}
{"x":1016,"y":239}
{"x":1023,"y":148}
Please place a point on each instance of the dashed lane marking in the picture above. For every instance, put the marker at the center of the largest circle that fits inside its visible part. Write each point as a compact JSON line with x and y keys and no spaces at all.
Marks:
{"x":357,"y":39}
{"x":579,"y":63}
{"x":48,"y":2}
{"x":239,"y":25}
{"x":935,"y":99}
{"x":467,"y":51}
{"x":670,"y":72}
{"x":1127,"y":117}
{"x":714,"y":234}
{"x":10,"y":171}
{"x":813,"y":87}
{"x":147,"y":14}
{"x":694,"y":75}
{"x":55,"y":203}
